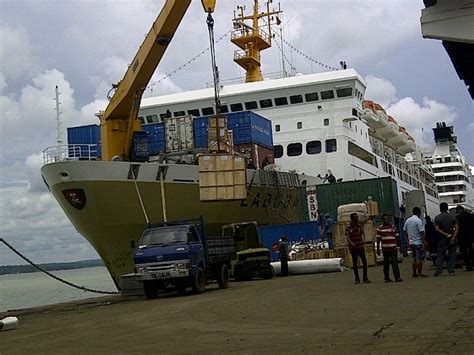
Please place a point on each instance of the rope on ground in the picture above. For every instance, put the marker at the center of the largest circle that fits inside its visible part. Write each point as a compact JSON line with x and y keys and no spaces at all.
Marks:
{"x":54,"y":276}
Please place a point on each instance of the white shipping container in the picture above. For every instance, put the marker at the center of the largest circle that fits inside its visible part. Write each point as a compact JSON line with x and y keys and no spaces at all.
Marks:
{"x":179,"y":133}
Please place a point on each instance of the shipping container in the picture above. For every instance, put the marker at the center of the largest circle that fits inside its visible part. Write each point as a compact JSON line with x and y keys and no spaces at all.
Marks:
{"x":157,"y":137}
{"x":294,"y":232}
{"x":140,"y":147}
{"x":261,"y":156}
{"x":179,"y":133}
{"x":247,"y":127}
{"x":382,"y":190}
{"x":84,"y":142}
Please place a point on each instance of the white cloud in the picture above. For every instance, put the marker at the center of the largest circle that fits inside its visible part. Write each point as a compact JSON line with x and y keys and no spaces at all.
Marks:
{"x":3,"y":83}
{"x":16,"y":55}
{"x":470,"y":126}
{"x":419,"y":119}
{"x":380,"y":90}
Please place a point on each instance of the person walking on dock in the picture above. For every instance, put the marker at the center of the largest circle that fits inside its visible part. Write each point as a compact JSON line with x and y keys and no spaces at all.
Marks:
{"x":284,"y":255}
{"x":447,"y":227}
{"x":466,"y":236}
{"x":416,"y":235}
{"x":387,"y":235}
{"x":355,"y":238}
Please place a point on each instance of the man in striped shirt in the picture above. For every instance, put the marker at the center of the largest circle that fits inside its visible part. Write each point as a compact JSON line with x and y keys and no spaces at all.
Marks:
{"x":355,"y":238}
{"x":387,"y":235}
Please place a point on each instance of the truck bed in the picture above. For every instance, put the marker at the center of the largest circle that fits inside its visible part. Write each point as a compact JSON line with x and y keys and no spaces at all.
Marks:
{"x":220,"y":249}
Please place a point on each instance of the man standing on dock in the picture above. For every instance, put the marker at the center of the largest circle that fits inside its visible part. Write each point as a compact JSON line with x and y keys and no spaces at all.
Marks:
{"x":387,"y":235}
{"x":416,"y":236}
{"x":355,"y":238}
{"x":283,"y":251}
{"x":447,"y":227}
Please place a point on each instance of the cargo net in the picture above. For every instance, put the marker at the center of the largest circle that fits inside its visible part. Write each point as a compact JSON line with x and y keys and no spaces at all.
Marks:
{"x":36,"y":266}
{"x":278,"y":178}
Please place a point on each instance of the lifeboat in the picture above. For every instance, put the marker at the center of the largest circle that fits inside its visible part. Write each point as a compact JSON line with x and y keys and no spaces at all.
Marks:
{"x":409,"y":147}
{"x":371,"y":115}
{"x":391,"y":130}
{"x":400,"y":139}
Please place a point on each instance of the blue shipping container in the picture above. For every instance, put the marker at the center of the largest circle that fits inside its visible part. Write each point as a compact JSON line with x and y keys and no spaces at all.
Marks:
{"x":81,"y":137}
{"x":156,"y":134}
{"x":247,"y":127}
{"x":294,"y":232}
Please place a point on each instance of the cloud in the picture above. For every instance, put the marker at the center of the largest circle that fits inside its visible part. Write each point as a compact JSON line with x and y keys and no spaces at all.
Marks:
{"x":380,"y":90}
{"x":419,"y":119}
{"x":16,"y":55}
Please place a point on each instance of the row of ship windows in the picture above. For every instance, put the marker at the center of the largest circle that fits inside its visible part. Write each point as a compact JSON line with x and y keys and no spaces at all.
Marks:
{"x":254,"y":105}
{"x":299,"y":125}
{"x":443,"y":160}
{"x":452,"y":188}
{"x":447,"y":169}
{"x":450,"y":178}
{"x":312,"y":147}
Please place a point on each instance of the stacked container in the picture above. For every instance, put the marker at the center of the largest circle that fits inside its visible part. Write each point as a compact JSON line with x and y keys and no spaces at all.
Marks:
{"x":156,"y":134}
{"x":84,"y":142}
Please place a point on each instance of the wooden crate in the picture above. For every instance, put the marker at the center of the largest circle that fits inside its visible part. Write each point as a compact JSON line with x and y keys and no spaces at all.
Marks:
{"x":339,"y":235}
{"x":370,"y":231}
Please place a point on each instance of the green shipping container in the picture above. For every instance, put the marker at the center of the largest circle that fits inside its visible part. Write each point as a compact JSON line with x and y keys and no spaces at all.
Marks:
{"x":382,"y":190}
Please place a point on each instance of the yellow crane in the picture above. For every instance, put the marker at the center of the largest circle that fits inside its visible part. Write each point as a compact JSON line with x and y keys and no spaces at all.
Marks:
{"x":120,"y":118}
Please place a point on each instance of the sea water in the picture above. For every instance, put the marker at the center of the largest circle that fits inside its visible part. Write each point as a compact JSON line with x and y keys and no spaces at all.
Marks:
{"x":19,"y":291}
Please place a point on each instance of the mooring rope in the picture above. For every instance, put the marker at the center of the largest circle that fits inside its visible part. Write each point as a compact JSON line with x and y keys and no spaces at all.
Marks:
{"x":54,"y":276}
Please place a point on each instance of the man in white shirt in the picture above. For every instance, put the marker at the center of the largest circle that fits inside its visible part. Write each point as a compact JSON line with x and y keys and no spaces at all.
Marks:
{"x":416,"y":235}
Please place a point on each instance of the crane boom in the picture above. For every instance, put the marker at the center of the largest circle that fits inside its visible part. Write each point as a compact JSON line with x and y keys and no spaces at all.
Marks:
{"x":119,"y":120}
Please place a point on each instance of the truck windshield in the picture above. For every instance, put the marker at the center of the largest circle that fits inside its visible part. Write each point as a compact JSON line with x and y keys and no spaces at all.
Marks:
{"x":163,"y":236}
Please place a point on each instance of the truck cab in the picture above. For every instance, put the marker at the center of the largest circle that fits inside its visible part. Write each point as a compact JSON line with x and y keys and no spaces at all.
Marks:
{"x":179,"y":254}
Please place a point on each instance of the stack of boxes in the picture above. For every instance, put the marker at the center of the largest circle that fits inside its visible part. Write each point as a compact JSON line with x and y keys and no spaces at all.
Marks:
{"x":219,"y":136}
{"x":341,"y":246}
{"x":222,"y":177}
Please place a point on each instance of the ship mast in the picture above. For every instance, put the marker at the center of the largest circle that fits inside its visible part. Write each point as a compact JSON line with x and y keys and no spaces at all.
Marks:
{"x":59,"y":140}
{"x":252,"y":39}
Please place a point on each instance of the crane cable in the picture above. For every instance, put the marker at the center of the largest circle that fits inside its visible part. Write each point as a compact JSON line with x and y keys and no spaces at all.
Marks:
{"x":54,"y":276}
{"x":215,"y":69}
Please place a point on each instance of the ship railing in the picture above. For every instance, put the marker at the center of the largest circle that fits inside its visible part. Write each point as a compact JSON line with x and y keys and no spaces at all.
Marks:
{"x":66,"y":152}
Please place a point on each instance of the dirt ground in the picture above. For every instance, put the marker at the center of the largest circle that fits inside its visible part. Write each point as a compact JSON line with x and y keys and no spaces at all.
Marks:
{"x":324,"y":313}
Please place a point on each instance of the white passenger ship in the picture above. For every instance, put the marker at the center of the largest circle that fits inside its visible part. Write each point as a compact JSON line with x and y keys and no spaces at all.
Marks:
{"x":452,"y":172}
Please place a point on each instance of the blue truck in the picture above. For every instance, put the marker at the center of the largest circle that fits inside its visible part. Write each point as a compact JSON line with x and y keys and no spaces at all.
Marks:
{"x":179,"y":254}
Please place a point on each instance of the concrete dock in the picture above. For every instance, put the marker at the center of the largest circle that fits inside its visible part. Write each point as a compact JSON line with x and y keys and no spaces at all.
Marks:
{"x":323,"y":313}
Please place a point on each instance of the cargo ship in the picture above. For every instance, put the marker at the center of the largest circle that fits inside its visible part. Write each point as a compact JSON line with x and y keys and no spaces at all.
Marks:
{"x":319,"y":129}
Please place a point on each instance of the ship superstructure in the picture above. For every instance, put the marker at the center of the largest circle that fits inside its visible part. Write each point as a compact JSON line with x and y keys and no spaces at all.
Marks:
{"x":451,"y":170}
{"x":320,"y":123}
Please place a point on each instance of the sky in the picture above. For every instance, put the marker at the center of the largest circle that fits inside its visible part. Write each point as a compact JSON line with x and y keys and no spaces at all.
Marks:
{"x":85,"y":46}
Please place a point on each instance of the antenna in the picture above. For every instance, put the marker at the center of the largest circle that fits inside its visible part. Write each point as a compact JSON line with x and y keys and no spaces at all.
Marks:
{"x":59,"y":141}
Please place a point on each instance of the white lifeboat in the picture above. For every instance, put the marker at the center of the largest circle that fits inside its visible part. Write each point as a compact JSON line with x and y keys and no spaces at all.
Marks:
{"x":409,"y":147}
{"x":391,"y":130}
{"x":400,"y":139}
{"x":370,"y":115}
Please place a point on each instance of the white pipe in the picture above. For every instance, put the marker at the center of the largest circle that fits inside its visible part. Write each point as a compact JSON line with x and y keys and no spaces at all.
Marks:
{"x":315,"y":266}
{"x":8,"y":323}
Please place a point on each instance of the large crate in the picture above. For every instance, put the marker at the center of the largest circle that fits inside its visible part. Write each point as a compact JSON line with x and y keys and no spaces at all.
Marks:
{"x":222,"y":177}
{"x":370,"y":254}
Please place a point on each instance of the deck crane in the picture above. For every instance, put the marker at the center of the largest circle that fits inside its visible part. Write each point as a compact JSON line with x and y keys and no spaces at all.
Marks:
{"x":120,"y":118}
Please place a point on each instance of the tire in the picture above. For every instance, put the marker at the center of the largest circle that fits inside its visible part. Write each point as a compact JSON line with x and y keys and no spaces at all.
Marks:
{"x":198,"y":282}
{"x":223,"y":277}
{"x":151,"y":289}
{"x":269,"y":273}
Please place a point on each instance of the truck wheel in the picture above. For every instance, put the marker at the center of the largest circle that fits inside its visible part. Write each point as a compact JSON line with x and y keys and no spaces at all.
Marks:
{"x":151,"y":289}
{"x":198,"y":282}
{"x":223,"y":277}
{"x":269,"y":273}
